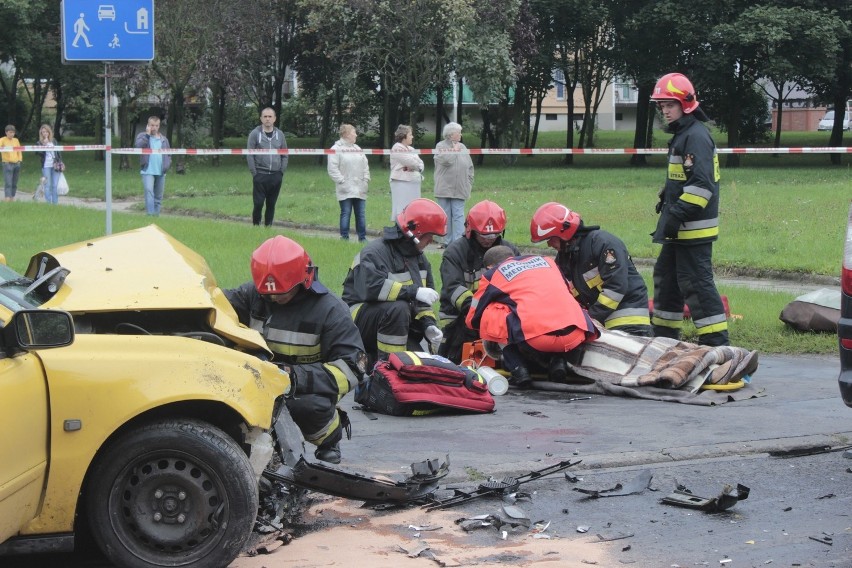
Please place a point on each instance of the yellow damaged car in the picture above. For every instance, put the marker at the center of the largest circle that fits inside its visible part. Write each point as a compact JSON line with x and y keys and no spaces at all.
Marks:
{"x":135,"y":407}
{"x":131,"y":400}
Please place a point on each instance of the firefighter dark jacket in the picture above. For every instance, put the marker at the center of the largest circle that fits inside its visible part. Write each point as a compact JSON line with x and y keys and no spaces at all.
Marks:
{"x":689,"y":201}
{"x":313,"y":334}
{"x":387,"y":270}
{"x":461,"y":268}
{"x":604,"y":279}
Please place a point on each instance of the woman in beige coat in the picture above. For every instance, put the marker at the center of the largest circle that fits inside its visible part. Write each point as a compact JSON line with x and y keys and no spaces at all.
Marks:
{"x":350,"y":172}
{"x":453,"y":179}
{"x":406,"y":171}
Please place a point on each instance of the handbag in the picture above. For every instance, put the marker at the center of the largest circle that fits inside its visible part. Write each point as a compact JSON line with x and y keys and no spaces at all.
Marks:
{"x":58,"y":165}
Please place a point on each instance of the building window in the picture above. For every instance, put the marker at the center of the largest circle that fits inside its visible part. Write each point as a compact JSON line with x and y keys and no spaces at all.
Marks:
{"x":550,"y":116}
{"x":559,"y":79}
{"x":619,"y":116}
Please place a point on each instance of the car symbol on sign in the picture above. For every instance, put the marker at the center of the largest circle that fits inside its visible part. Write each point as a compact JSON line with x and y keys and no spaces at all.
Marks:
{"x":106,"y":12}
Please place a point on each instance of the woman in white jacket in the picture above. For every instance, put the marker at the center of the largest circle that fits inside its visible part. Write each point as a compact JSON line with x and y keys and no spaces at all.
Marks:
{"x":350,"y":171}
{"x":406,"y":171}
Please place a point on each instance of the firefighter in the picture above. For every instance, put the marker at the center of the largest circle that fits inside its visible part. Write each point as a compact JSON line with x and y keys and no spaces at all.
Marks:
{"x":389,"y":288}
{"x":689,"y":220}
{"x":524,"y":306}
{"x":311,"y":335}
{"x":461,"y":267}
{"x":599,"y":269}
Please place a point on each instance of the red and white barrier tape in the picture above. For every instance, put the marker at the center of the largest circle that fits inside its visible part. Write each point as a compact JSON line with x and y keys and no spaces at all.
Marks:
{"x":424,"y":151}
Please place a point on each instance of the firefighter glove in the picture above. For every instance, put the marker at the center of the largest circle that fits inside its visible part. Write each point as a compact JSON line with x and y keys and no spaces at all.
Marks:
{"x":427,"y":296}
{"x":671,"y":227}
{"x":434,"y":335}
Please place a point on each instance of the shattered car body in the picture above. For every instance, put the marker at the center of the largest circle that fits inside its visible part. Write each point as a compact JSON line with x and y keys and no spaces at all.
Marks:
{"x":152,"y":423}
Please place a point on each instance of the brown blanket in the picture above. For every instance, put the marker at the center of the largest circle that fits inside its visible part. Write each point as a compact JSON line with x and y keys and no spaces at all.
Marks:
{"x":660,"y":369}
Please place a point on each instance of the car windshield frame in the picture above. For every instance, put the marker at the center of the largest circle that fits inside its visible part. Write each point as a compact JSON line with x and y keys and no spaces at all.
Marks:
{"x":12,"y":291}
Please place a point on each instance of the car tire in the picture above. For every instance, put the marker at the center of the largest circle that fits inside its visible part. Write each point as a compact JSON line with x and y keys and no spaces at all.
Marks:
{"x":172,"y":493}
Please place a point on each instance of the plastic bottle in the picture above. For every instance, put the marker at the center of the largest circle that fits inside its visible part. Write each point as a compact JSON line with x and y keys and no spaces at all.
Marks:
{"x":497,"y":383}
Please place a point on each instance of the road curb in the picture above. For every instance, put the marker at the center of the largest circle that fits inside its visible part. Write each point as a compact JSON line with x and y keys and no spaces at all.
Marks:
{"x":799,"y":445}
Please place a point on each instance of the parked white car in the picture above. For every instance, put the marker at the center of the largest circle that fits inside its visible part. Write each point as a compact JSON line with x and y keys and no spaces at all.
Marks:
{"x":827,"y":122}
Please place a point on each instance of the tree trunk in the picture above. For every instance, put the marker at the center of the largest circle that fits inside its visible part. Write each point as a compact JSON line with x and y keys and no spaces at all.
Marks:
{"x":99,"y":136}
{"x":733,"y":160}
{"x":439,"y":112}
{"x":60,"y":111}
{"x":778,"y":115}
{"x":460,"y":100}
{"x":836,"y":138}
{"x":569,"y":129}
{"x":175,"y":128}
{"x":538,"y":103}
{"x":325,"y":126}
{"x":217,"y":126}
{"x":126,"y":133}
{"x":643,"y":117}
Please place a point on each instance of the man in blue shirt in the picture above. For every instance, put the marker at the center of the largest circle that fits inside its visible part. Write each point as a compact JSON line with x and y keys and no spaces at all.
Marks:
{"x":153,"y":167}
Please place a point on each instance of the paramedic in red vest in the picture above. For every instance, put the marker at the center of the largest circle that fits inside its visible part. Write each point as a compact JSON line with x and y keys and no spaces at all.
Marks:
{"x":389,"y":288}
{"x":598,"y":267}
{"x":461,"y":267}
{"x":523,"y":305}
{"x":311,"y":335}
{"x":689,"y":220}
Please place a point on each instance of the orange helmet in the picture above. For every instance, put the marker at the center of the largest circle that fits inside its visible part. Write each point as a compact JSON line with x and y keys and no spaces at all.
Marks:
{"x":486,"y":218}
{"x":422,"y":216}
{"x":676,"y":87}
{"x":553,"y":220}
{"x":279,"y":265}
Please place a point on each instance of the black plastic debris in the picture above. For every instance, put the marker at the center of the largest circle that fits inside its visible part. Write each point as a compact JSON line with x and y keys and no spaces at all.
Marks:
{"x":824,"y":538}
{"x":607,"y":537}
{"x":636,"y":485}
{"x":496,"y":487}
{"x":516,"y":515}
{"x":722,"y":502}
{"x":351,"y":485}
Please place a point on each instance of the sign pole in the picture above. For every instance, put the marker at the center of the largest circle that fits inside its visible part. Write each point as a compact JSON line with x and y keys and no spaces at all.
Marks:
{"x":108,"y":144}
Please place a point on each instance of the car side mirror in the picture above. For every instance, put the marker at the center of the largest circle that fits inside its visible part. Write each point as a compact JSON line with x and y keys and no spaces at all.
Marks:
{"x":39,"y":329}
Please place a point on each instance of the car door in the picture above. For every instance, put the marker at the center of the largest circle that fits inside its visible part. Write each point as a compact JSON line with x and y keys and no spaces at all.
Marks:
{"x":24,"y":439}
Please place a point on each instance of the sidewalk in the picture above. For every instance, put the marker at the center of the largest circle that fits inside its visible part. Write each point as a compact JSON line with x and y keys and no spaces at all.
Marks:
{"x":801,"y":408}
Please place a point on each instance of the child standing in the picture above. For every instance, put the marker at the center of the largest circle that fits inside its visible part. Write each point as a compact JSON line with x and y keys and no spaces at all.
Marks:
{"x":11,"y":164}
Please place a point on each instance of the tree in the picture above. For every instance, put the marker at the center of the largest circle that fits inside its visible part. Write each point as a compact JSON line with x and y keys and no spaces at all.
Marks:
{"x":643,"y":58}
{"x":36,"y":61}
{"x":838,"y":87}
{"x":785,"y":44}
{"x":189,"y":25}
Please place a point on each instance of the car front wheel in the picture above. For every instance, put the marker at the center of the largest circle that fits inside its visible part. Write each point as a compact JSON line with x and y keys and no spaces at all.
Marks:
{"x":172,"y":493}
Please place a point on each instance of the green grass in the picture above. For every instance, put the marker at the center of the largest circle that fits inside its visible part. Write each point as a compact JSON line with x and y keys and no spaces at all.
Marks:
{"x":227,"y":246}
{"x":778,"y":214}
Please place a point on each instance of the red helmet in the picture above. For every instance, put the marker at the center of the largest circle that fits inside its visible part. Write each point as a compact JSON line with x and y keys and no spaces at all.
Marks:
{"x":553,"y":220}
{"x":486,"y":218}
{"x":676,"y":87}
{"x":422,"y":216}
{"x":279,"y":265}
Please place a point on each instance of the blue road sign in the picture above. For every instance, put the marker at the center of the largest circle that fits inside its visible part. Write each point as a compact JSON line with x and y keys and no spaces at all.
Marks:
{"x":107,"y":30}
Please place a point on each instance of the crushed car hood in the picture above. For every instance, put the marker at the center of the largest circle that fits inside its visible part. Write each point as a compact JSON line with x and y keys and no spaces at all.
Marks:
{"x":141,"y":270}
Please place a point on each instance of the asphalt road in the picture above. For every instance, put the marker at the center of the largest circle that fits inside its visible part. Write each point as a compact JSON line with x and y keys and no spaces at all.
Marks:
{"x":797,"y":410}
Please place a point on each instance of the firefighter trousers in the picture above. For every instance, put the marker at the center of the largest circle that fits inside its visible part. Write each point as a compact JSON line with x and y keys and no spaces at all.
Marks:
{"x":387,"y":327}
{"x":683,"y":274}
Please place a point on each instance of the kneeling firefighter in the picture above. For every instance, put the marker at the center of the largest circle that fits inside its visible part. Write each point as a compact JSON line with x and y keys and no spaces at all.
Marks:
{"x":311,"y":334}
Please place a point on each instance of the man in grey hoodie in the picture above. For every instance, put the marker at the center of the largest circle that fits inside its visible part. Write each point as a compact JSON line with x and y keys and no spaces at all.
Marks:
{"x":267,"y":170}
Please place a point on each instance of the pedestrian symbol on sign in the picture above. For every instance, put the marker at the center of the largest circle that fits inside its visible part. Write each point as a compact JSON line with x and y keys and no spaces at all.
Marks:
{"x":80,"y":29}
